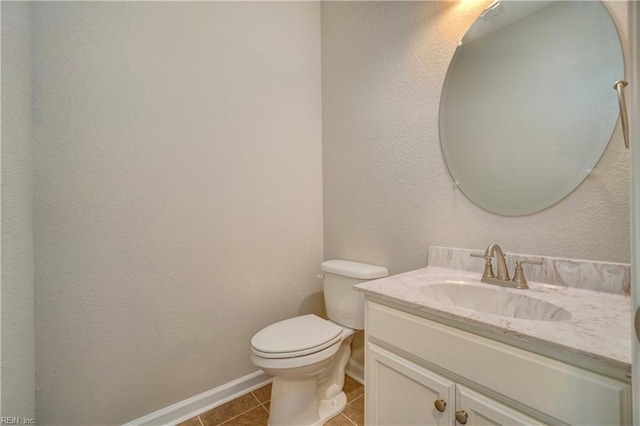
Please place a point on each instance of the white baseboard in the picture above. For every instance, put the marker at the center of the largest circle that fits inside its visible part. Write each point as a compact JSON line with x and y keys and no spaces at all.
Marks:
{"x":191,"y":407}
{"x":355,"y":370}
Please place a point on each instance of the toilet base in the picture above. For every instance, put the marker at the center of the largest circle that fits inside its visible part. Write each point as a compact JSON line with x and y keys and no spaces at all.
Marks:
{"x":331,"y":408}
{"x":308,"y":393}
{"x":328,"y":409}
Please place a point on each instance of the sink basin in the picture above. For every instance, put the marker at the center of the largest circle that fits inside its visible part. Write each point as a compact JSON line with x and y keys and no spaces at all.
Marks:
{"x":495,"y":301}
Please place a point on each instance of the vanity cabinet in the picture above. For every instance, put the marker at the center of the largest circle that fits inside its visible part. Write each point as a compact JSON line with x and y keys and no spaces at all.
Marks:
{"x":422,"y":372}
{"x":406,"y":394}
{"x":477,"y":409}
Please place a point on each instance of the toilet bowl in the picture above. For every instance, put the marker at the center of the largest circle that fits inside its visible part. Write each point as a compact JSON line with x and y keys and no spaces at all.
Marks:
{"x":307,"y":355}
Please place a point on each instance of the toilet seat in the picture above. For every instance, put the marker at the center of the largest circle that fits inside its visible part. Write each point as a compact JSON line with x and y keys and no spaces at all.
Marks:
{"x":295,"y":337}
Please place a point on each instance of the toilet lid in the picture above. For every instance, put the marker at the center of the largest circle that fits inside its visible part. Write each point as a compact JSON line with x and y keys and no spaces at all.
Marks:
{"x":296,"y":337}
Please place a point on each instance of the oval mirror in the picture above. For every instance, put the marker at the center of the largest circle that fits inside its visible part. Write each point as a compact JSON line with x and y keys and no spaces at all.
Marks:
{"x":528,"y":105}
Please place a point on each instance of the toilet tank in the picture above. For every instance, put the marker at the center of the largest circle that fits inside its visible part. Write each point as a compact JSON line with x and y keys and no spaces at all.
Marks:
{"x":344,"y":305}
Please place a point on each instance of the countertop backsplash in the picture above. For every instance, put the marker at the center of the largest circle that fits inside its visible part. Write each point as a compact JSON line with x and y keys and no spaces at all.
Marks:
{"x":584,"y":274}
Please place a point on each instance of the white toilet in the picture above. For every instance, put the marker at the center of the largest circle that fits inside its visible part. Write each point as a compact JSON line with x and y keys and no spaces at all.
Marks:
{"x":307,"y":355}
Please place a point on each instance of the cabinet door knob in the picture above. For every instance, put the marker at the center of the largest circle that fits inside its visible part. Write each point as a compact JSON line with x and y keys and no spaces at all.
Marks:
{"x":461,"y":417}
{"x":441,"y":405}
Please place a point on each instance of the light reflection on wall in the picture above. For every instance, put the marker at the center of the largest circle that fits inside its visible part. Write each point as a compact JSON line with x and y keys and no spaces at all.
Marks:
{"x":443,"y":23}
{"x":473,"y":6}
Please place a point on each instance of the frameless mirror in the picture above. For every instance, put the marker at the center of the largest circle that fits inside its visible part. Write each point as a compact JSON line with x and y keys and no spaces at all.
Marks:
{"x":527,"y":107}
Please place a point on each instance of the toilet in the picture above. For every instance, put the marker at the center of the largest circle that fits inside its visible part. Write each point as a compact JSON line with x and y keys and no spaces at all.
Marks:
{"x":307,"y":355}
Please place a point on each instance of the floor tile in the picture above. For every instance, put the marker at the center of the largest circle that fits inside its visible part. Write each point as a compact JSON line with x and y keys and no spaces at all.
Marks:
{"x":191,"y":422}
{"x":355,"y":411}
{"x":352,"y":388}
{"x":252,"y":409}
{"x":339,"y":420}
{"x":256,"y":417}
{"x":263,"y":394}
{"x":229,"y":410}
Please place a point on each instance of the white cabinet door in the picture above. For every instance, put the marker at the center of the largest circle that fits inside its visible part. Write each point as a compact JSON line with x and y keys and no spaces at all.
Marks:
{"x":401,"y":393}
{"x":476,"y":409}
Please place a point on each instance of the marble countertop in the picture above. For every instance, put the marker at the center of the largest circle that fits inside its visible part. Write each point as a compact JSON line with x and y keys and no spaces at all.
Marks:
{"x":599,"y":328}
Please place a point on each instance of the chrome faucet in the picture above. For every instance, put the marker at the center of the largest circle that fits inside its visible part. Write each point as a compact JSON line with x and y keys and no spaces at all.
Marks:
{"x":502,"y":278}
{"x":503,"y":273}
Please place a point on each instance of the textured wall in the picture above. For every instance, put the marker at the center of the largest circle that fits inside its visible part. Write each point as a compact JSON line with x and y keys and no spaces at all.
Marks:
{"x":178,"y":196}
{"x":387,"y":192}
{"x":18,"y":364}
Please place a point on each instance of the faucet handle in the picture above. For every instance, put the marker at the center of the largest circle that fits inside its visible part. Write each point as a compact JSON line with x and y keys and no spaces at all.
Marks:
{"x":531,"y":261}
{"x":480,"y":255}
{"x":518,"y":275}
{"x":488,"y":266}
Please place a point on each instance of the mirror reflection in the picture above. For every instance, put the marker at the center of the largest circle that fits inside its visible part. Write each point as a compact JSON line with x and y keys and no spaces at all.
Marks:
{"x":527,"y":106}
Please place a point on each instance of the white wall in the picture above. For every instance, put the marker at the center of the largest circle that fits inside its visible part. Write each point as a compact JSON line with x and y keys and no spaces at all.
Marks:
{"x":18,"y":363}
{"x":178,"y":191}
{"x":178,"y":196}
{"x":387,"y":192}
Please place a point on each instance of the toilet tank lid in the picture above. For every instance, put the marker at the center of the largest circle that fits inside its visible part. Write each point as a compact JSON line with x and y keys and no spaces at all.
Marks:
{"x":347,"y":268}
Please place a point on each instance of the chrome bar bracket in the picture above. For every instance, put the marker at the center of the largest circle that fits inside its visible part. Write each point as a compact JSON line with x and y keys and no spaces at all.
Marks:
{"x":624,"y":121}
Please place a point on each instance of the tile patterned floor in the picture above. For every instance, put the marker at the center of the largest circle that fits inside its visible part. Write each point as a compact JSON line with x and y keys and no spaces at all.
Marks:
{"x":252,"y":409}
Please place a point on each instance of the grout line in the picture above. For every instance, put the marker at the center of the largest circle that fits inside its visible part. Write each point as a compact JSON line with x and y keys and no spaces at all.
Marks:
{"x":348,"y":419}
{"x":241,"y":414}
{"x":256,"y":398}
{"x":351,"y":402}
{"x":355,"y":399}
